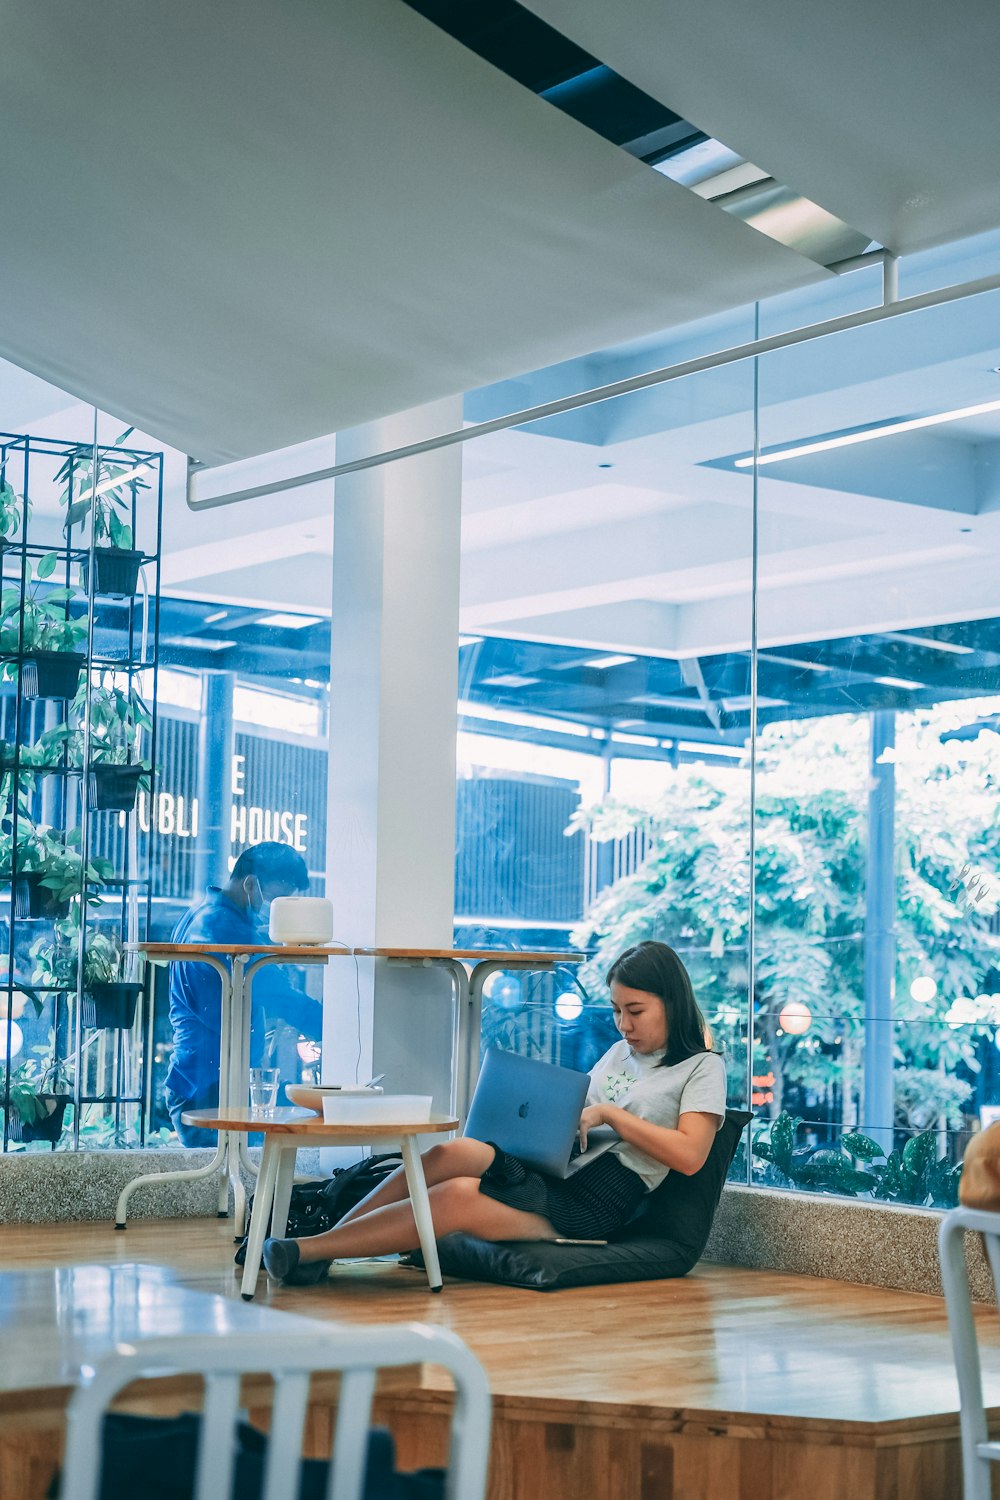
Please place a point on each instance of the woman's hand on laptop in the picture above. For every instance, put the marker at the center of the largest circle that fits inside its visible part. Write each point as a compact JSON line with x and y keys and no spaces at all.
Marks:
{"x":593,"y":1115}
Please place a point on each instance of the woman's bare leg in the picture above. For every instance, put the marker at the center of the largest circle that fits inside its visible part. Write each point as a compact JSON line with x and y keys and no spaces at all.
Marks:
{"x":459,"y":1158}
{"x":456,"y":1204}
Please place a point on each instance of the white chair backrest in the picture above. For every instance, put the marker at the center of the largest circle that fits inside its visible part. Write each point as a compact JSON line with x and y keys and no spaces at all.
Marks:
{"x":291,"y":1359}
{"x":977,"y":1451}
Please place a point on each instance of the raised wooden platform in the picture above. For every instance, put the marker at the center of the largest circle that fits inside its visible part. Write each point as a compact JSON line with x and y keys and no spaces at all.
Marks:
{"x":729,"y":1385}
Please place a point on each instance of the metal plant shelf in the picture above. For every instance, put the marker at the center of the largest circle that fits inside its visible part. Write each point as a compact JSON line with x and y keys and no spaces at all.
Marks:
{"x":112,"y":500}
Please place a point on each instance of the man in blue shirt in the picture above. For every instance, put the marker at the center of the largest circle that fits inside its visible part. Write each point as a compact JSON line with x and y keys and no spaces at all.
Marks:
{"x":234,"y":913}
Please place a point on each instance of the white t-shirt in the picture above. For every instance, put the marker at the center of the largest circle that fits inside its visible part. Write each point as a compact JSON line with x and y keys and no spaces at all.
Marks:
{"x":635,"y":1082}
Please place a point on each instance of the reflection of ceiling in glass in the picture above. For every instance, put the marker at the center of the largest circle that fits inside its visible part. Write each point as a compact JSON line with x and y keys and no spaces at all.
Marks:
{"x":665,"y":708}
{"x":707,"y":700}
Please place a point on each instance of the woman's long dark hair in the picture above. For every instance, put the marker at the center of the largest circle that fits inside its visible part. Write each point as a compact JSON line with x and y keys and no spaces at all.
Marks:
{"x":656,"y":968}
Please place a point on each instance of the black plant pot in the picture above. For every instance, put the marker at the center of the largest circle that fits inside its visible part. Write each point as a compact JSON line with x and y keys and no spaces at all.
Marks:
{"x":113,"y":788}
{"x":116,"y":572}
{"x":51,"y":674}
{"x":34,"y":900}
{"x":110,"y":1007}
{"x":48,"y":1128}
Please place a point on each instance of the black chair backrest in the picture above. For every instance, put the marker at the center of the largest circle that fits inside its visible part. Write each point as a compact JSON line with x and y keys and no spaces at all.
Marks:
{"x":682,"y":1208}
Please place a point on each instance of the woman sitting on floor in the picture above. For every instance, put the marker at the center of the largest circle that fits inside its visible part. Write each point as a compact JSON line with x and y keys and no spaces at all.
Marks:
{"x":661,"y":1088}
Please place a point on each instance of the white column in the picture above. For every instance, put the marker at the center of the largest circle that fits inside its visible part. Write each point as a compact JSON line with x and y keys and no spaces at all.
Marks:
{"x":391,"y":806}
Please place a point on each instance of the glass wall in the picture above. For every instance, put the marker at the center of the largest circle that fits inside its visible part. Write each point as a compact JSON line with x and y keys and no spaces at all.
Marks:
{"x":872,"y":997}
{"x":875,"y":1004}
{"x":604,"y":774}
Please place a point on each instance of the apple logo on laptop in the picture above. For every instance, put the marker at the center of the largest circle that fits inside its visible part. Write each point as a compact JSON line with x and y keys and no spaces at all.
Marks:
{"x":523,"y":1110}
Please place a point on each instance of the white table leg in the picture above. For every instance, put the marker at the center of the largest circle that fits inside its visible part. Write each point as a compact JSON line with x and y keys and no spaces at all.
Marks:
{"x":239,"y":1191}
{"x":417,"y":1185}
{"x":283,"y":1192}
{"x":260,"y":1219}
{"x":505,"y":964}
{"x":218,"y":1162}
{"x":460,"y":1091}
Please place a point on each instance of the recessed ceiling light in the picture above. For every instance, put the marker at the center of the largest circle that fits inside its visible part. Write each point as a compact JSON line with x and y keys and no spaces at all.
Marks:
{"x":199,"y":643}
{"x":288,"y":622}
{"x":931,"y":642}
{"x":488,"y":715}
{"x":868,"y":435}
{"x":510,"y":679}
{"x":743,"y":700}
{"x":602,"y":663}
{"x":795,"y":661}
{"x":900,"y":682}
{"x":634,"y":739}
{"x":220,"y":614}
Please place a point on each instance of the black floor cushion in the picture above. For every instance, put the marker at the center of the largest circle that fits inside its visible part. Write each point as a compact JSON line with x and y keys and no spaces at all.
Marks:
{"x":664,"y":1240}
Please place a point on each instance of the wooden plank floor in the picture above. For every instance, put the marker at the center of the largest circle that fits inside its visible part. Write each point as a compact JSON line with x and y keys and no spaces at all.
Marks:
{"x":727,"y":1385}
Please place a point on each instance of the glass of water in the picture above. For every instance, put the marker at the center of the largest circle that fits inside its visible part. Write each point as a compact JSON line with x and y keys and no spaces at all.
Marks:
{"x":264,"y":1083}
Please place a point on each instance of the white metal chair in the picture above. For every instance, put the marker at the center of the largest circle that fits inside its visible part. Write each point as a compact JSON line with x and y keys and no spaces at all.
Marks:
{"x":357,"y":1353}
{"x":977,"y":1450}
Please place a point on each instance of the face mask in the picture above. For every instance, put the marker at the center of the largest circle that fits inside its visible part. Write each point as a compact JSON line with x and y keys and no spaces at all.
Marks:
{"x":259,"y":909}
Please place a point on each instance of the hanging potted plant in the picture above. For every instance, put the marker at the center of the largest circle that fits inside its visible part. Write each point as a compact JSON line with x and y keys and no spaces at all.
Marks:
{"x":118,"y":718}
{"x":46,"y":754}
{"x":39,"y":628}
{"x":10,"y":512}
{"x":104,"y":493}
{"x":37,"y":1102}
{"x":47,"y":873}
{"x":109,"y":1001}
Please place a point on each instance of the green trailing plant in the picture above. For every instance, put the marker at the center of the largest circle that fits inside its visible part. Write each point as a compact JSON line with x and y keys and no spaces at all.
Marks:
{"x":55,"y":859}
{"x":10,"y":510}
{"x":19,"y":1092}
{"x":56,"y":956}
{"x":858,"y":1166}
{"x":38,"y":620}
{"x":118,"y":718}
{"x":101,"y":493}
{"x":38,"y":1099}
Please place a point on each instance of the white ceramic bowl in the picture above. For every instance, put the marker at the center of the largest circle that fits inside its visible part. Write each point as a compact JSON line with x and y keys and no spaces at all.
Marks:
{"x":305,"y":920}
{"x":376,"y":1109}
{"x":311,"y":1095}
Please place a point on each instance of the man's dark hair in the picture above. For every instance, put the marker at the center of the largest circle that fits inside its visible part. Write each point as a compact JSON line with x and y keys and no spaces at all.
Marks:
{"x":658,"y":970}
{"x":278,"y":863}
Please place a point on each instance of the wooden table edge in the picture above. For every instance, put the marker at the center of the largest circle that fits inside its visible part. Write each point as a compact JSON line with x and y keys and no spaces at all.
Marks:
{"x":306,"y":1122}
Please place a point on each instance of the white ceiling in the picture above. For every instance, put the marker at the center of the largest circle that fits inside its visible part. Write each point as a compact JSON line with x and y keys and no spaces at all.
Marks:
{"x":887,"y":114}
{"x":625,"y":527}
{"x":240,"y":227}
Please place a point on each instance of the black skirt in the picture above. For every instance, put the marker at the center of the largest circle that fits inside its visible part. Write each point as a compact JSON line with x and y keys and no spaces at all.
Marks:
{"x":590,"y":1205}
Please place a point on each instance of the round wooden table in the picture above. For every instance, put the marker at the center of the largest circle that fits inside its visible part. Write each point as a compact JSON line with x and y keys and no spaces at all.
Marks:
{"x":284,"y":1131}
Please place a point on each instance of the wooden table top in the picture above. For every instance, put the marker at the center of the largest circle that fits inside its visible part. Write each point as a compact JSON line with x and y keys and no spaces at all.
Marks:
{"x":290,"y":1120}
{"x":154,"y":951}
{"x":55,"y":1320}
{"x":515,"y":958}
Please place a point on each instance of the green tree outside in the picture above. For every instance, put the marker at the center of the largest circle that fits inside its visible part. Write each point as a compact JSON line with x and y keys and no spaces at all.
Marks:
{"x":693,"y":890}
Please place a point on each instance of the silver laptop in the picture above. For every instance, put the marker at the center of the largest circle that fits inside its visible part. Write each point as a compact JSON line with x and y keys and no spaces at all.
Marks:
{"x":532,"y":1110}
